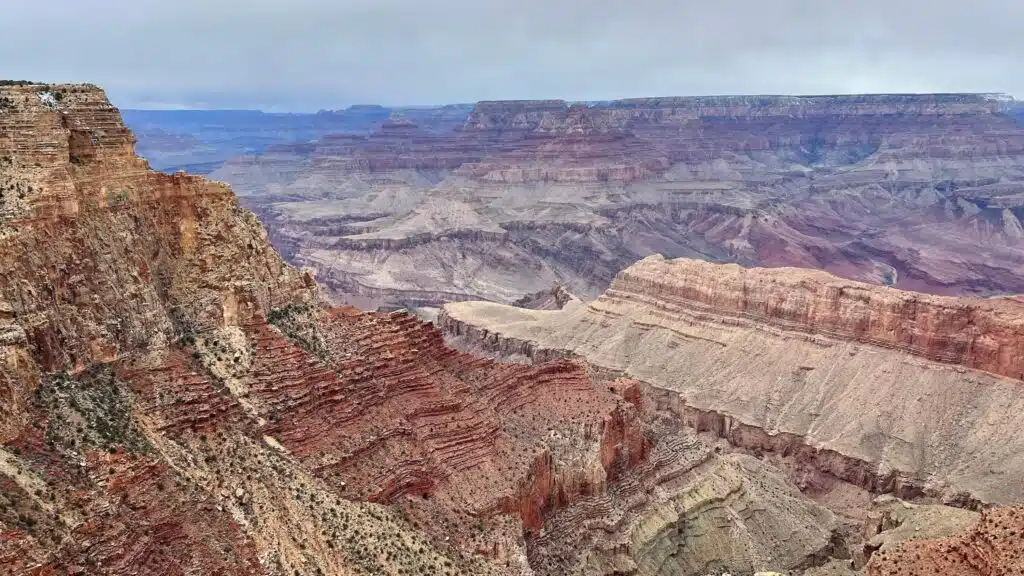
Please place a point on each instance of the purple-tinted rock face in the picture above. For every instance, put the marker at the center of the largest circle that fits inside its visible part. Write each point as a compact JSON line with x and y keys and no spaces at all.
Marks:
{"x":918,"y":191}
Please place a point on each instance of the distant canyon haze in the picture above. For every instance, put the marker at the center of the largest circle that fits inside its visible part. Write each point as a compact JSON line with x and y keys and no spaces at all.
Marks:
{"x":416,"y":207}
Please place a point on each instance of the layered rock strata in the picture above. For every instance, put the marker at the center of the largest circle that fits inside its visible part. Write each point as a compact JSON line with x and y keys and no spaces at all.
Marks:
{"x":175,"y":399}
{"x":916,"y":191}
{"x":889,"y":390}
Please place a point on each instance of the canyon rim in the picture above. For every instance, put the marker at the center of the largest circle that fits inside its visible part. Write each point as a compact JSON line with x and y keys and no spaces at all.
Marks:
{"x":176,"y":398}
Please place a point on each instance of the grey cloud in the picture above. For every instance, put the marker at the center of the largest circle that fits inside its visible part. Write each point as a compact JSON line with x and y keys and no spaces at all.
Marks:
{"x":308,"y":54}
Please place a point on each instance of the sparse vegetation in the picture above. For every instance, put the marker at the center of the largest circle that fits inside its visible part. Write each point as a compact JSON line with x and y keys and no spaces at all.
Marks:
{"x":92,"y":410}
{"x":11,"y":192}
{"x":889,"y":277}
{"x":297,"y":323}
{"x":117,"y":197}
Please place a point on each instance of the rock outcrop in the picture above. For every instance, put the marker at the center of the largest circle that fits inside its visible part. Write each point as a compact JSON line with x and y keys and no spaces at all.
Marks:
{"x":982,"y":334}
{"x":176,"y":399}
{"x":553,"y":299}
{"x":888,"y":390}
{"x":916,"y":191}
{"x":994,"y":546}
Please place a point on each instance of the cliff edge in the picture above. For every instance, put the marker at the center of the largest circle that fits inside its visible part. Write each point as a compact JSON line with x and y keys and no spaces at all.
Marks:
{"x":176,"y":399}
{"x":888,"y":389}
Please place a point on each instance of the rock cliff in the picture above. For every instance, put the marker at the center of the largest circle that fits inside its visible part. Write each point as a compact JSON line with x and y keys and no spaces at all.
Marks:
{"x":916,"y":191}
{"x":888,"y":390}
{"x":982,"y":334}
{"x":176,"y":399}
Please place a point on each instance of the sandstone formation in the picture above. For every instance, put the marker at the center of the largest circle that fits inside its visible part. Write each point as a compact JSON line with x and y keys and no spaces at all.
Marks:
{"x":843,"y":383}
{"x":982,"y":334}
{"x":887,"y":390}
{"x":176,"y":399}
{"x":917,"y":191}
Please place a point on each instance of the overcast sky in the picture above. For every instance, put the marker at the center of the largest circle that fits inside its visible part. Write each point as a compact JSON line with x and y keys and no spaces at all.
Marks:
{"x":311,"y":54}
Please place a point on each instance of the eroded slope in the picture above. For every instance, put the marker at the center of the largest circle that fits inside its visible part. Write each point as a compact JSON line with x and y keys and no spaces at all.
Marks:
{"x":886,"y":389}
{"x":154,"y":421}
{"x":175,"y":399}
{"x":917,"y":191}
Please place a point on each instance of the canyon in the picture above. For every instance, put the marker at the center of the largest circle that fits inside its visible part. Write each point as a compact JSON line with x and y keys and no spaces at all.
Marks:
{"x":177,"y":398}
{"x":890,"y":391}
{"x":921,"y":192}
{"x":201,"y":141}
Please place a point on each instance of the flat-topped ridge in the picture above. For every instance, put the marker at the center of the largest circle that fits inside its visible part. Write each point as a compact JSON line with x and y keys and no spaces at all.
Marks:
{"x":788,"y":113}
{"x":490,"y":112}
{"x":986,"y":334}
{"x":782,"y":99}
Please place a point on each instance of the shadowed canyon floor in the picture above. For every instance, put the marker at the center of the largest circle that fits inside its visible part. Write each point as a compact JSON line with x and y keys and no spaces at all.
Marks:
{"x":917,"y":191}
{"x":176,"y":399}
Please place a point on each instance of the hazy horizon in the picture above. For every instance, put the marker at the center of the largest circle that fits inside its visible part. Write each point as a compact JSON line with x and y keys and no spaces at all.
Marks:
{"x":589,"y":102}
{"x":307,"y":55}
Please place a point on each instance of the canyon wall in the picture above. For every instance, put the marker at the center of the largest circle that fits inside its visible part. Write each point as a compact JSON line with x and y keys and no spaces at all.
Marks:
{"x":176,"y":399}
{"x":840,"y":383}
{"x":902,"y":389}
{"x":983,"y":334}
{"x":921,"y":192}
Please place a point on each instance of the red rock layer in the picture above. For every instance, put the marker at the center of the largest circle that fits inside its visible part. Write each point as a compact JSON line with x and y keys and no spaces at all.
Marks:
{"x":994,"y":547}
{"x":104,"y":260}
{"x":139,"y":374}
{"x":100,"y":237}
{"x":177,"y":395}
{"x":113,"y":511}
{"x":982,"y":334}
{"x":629,"y":140}
{"x":392,"y":412}
{"x":147,"y":524}
{"x":654,"y":133}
